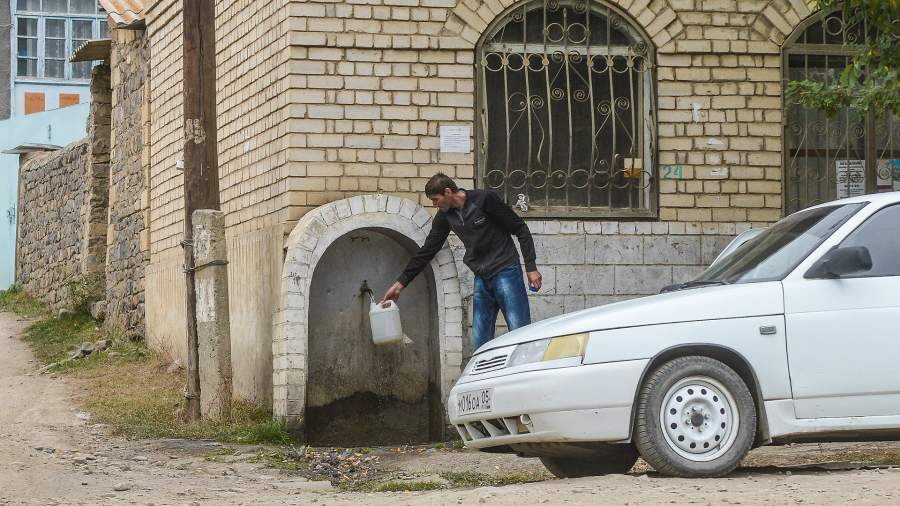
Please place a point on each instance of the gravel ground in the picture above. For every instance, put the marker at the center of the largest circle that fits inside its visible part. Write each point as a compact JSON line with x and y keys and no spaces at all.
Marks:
{"x":54,"y":454}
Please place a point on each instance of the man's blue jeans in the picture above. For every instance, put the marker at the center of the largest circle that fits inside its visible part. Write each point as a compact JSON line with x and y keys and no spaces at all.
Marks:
{"x":505,"y":292}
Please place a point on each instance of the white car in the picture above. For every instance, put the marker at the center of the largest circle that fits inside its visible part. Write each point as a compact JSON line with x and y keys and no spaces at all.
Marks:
{"x":793,"y":336}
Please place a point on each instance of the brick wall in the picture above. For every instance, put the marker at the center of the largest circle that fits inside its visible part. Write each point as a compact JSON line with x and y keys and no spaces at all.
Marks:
{"x":127,"y":233}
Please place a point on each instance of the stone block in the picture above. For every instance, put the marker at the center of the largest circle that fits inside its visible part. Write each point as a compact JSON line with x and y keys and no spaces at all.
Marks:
{"x":712,"y":245}
{"x":672,"y":250}
{"x":614,"y":249}
{"x":584,"y":279}
{"x":562,"y":249}
{"x":641,"y":279}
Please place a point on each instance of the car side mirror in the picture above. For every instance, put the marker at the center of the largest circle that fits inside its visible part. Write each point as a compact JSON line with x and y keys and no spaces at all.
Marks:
{"x":841,"y":261}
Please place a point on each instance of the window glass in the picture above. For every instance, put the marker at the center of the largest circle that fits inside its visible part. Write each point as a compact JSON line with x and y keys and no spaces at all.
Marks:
{"x":83,"y":6}
{"x":28,"y":5}
{"x":881,"y":235}
{"x":27,"y":47}
{"x":55,"y":28}
{"x":82,"y":29}
{"x":773,"y":254}
{"x":82,"y":70}
{"x":27,"y":27}
{"x":54,"y":68}
{"x":27,"y":67}
{"x":54,"y":6}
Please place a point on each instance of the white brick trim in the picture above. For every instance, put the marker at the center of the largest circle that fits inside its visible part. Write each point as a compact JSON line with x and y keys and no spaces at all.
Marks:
{"x":309,"y":240}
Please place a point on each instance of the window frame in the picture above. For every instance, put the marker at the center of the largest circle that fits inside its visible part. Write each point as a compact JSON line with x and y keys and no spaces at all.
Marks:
{"x":647,"y":117}
{"x":41,"y":17}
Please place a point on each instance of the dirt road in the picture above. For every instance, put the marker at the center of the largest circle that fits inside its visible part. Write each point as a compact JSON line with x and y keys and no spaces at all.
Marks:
{"x":52,"y":454}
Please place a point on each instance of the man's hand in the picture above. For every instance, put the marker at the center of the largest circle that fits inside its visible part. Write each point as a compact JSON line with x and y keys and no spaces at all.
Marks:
{"x":393,"y":292}
{"x":534,"y":280}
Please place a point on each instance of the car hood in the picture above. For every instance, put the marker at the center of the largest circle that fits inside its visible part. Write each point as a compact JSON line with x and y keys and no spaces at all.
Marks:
{"x":695,"y":304}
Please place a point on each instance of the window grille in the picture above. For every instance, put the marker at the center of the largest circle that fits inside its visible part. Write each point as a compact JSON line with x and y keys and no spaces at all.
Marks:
{"x":847,"y":154}
{"x":565,"y":111}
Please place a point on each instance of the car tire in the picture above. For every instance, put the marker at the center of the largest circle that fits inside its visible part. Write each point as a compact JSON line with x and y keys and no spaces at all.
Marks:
{"x":614,"y":459}
{"x":695,"y":418}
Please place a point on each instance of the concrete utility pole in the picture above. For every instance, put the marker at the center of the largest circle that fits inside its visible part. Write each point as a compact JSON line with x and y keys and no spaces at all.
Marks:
{"x":213,"y":332}
{"x":201,"y":168}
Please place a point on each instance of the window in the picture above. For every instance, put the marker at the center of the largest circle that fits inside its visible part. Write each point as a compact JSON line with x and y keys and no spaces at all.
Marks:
{"x":564,"y":113}
{"x":881,"y":235}
{"x":851,"y":153}
{"x":27,"y":45}
{"x":48,"y":31}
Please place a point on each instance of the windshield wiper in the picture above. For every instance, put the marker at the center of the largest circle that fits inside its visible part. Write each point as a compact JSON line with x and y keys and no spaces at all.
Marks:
{"x":692,"y":284}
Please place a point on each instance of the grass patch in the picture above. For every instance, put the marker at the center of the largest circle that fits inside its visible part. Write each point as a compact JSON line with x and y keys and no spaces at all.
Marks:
{"x":140,"y":399}
{"x":18,"y":301}
{"x":871,"y":457}
{"x":407,"y":486}
{"x":128,"y":387}
{"x":456,"y":444}
{"x":476,"y":479}
{"x":53,"y":339}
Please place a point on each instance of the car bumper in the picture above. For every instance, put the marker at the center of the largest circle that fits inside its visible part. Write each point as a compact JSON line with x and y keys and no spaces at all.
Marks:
{"x":568,"y":404}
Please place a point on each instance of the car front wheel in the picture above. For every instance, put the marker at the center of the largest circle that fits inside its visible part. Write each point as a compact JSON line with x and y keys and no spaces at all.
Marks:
{"x":695,"y":418}
{"x":611,"y":459}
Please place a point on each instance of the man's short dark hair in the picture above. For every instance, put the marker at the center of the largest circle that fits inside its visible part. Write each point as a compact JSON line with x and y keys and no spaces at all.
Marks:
{"x":438,"y":183}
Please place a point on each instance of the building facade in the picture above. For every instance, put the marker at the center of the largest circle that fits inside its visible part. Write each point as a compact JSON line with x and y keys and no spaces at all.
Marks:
{"x":635,"y":137}
{"x":639,"y":135}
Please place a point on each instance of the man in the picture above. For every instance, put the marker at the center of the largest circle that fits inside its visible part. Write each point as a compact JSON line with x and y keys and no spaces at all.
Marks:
{"x":484,"y":223}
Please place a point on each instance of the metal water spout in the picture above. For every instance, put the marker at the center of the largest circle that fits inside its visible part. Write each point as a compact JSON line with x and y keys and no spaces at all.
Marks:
{"x":364,"y":289}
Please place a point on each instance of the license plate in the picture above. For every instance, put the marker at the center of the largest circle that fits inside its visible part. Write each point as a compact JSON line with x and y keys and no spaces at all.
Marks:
{"x":477,"y":401}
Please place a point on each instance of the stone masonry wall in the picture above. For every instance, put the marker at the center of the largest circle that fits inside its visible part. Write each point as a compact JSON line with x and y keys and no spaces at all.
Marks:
{"x":49,"y":245}
{"x":127,"y":251}
{"x":96,"y":198}
{"x":63,"y":199}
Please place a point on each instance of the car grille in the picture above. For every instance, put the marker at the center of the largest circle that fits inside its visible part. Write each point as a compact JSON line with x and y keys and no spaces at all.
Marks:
{"x":492,"y":427}
{"x":489,"y":364}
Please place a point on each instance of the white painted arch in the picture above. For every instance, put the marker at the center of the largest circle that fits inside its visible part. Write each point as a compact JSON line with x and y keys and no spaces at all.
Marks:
{"x":308,"y":241}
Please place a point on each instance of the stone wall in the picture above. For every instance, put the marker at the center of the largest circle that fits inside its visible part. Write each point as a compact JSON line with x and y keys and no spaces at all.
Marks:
{"x":127,"y":252}
{"x":63,"y":207}
{"x":51,"y":233}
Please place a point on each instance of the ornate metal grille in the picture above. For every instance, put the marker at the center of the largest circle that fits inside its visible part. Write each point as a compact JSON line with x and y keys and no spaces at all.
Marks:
{"x":565,"y":111}
{"x":847,"y":154}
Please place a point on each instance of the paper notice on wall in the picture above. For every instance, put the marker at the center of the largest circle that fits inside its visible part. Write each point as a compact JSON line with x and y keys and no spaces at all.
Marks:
{"x":888,"y":174}
{"x":851,"y":178}
{"x":455,"y":139}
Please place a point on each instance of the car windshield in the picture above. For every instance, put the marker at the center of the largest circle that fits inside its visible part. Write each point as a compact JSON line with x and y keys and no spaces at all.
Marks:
{"x":774,"y":253}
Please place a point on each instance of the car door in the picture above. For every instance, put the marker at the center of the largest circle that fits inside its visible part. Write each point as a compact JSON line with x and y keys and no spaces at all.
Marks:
{"x":843,"y":335}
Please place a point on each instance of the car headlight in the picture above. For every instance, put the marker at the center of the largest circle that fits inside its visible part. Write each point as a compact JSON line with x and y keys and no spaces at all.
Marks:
{"x":554,"y":348}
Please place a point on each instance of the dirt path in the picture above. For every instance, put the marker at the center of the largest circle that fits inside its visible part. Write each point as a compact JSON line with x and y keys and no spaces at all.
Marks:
{"x":52,"y":454}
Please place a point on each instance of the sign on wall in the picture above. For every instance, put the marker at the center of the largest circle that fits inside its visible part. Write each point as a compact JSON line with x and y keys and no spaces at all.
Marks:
{"x":851,"y":178}
{"x":455,"y":139}
{"x":888,"y":175}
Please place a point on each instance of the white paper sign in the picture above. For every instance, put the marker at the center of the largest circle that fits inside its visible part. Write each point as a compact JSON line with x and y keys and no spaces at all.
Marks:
{"x":888,"y":174}
{"x":455,"y":139}
{"x":851,"y":178}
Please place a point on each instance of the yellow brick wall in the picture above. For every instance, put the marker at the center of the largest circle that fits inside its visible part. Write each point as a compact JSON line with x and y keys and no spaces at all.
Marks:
{"x":372,"y":84}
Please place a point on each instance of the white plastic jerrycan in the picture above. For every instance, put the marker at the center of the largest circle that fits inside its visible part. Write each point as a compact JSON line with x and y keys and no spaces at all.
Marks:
{"x":385,"y":322}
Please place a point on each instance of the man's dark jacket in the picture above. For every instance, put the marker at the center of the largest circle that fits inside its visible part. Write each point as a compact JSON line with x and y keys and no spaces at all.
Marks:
{"x":484,"y":224}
